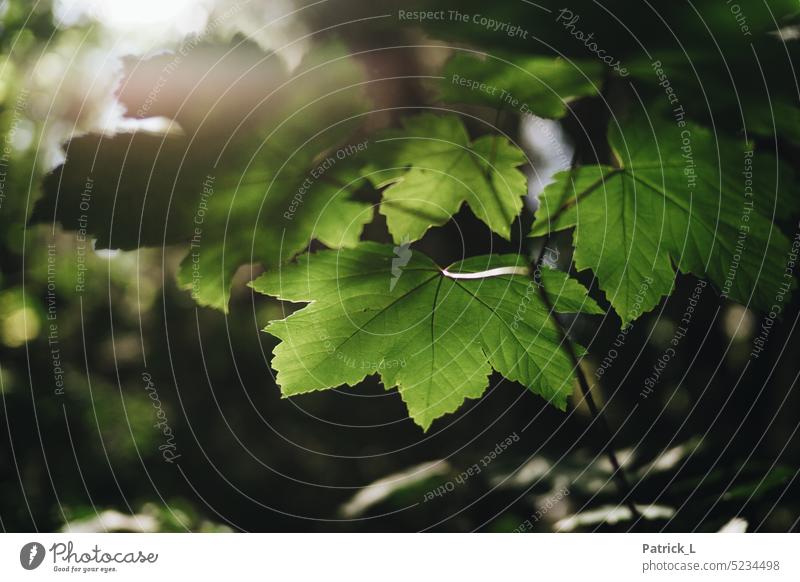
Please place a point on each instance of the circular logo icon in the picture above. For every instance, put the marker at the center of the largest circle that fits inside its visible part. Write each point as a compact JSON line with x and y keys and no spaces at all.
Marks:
{"x":31,"y":555}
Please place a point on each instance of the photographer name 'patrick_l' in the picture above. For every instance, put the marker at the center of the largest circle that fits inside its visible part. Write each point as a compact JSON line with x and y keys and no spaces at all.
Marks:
{"x":677,"y":548}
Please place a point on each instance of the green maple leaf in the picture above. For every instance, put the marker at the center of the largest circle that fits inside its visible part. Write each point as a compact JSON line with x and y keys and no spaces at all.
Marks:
{"x":431,"y":167}
{"x":666,"y":207}
{"x":539,"y":85}
{"x":434,"y":337}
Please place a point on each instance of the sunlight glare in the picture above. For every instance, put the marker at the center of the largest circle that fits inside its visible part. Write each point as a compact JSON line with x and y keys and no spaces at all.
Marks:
{"x":183,"y":16}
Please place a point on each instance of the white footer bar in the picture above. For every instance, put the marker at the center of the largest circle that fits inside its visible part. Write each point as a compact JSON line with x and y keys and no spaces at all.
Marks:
{"x":400,"y":557}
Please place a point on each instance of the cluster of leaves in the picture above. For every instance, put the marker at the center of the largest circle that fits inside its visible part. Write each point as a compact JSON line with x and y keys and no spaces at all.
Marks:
{"x":266,"y":161}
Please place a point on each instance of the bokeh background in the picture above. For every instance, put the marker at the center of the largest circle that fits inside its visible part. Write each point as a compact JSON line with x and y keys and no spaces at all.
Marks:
{"x":715,"y":446}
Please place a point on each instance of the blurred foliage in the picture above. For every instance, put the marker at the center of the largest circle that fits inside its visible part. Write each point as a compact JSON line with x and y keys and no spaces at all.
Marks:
{"x":81,"y":331}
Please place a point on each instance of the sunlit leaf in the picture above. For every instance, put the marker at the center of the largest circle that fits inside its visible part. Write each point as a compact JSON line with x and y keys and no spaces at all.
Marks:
{"x":434,"y":337}
{"x":678,"y":199}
